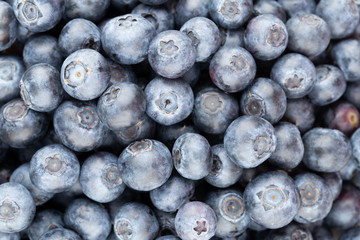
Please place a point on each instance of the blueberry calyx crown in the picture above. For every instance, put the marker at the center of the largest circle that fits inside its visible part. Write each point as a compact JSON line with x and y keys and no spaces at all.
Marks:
{"x":8,"y":210}
{"x":76,"y":73}
{"x":55,"y":165}
{"x":273,"y":197}
{"x":88,"y":118}
{"x":15,"y":111}
{"x":111,"y":176}
{"x":123,"y":229}
{"x":211,"y":102}
{"x":168,"y":49}
{"x":7,"y":70}
{"x":309,"y":195}
{"x":140,"y":146}
{"x":29,"y":13}
{"x":201,"y":226}
{"x":231,"y":207}
{"x":230,"y":9}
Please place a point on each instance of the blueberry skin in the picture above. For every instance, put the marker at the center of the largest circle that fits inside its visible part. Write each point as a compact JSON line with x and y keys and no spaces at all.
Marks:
{"x":124,"y":4}
{"x":322,"y":233}
{"x":153,"y":2}
{"x":39,"y":15}
{"x":21,"y":175}
{"x":349,"y":170}
{"x":352,"y":233}
{"x":346,"y":54}
{"x":232,"y":69}
{"x":191,"y":155}
{"x":249,"y":141}
{"x":289,"y":149}
{"x":89,"y":219}
{"x":168,"y":237}
{"x":145,"y":165}
{"x":78,"y":34}
{"x":175,"y":192}
{"x":160,"y":16}
{"x":270,"y":7}
{"x":326,"y":150}
{"x":85,"y":74}
{"x":308,"y":34}
{"x":135,"y":221}
{"x":126,"y":38}
{"x":44,"y":221}
{"x":8,"y":26}
{"x":334,"y":181}
{"x":233,"y":37}
{"x":352,"y":93}
{"x":341,"y":16}
{"x":295,"y":73}
{"x":205,"y":36}
{"x":121,"y":73}
{"x":92,"y":11}
{"x":166,"y":222}
{"x":20,"y":126}
{"x":195,"y":220}
{"x":78,"y":126}
{"x":355,"y":141}
{"x":300,"y":112}
{"x":11,"y":70}
{"x":169,"y":101}
{"x":17,"y":207}
{"x":272,"y":199}
{"x":40,"y":87}
{"x":298,"y":6}
{"x":10,"y":236}
{"x":224,"y":172}
{"x":187,"y":9}
{"x":42,"y":49}
{"x":100,"y":178}
{"x":329,"y":86}
{"x":59,"y":234}
{"x":264,"y":98}
{"x":122,"y":106}
{"x":266,"y":37}
{"x":171,"y":54}
{"x":291,"y":231}
{"x":230,"y":14}
{"x":231,"y":214}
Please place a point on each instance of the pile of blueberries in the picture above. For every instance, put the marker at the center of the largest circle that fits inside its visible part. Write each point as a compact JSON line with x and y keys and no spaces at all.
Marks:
{"x":179,"y":119}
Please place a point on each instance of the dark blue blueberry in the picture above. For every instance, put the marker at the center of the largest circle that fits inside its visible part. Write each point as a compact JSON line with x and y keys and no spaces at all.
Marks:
{"x":17,"y":207}
{"x":191,"y":155}
{"x":89,"y":219}
{"x":78,"y":126}
{"x":249,"y":141}
{"x":121,"y":73}
{"x":42,"y":49}
{"x":145,"y":165}
{"x":308,"y":34}
{"x":334,"y":181}
{"x":205,"y":36}
{"x":355,"y":143}
{"x":122,"y":106}
{"x":85,"y":74}
{"x":270,"y":7}
{"x":78,"y":34}
{"x":272,"y":199}
{"x":40,"y":87}
{"x":11,"y":70}
{"x":166,"y":222}
{"x":10,"y":236}
{"x":292,"y":232}
{"x":187,"y":9}
{"x":352,"y":93}
{"x":23,"y":34}
{"x":192,"y":76}
{"x":266,"y":37}
{"x":349,"y":170}
{"x":264,"y":98}
{"x":168,"y":237}
{"x":342,"y":16}
{"x":169,"y":101}
{"x":232,"y":68}
{"x":300,"y":112}
{"x":135,"y":221}
{"x":126,"y":38}
{"x":350,"y":234}
{"x":233,"y":37}
{"x":171,"y":54}
{"x":100,"y":178}
{"x":295,"y":73}
{"x":20,"y":126}
{"x":44,"y":221}
{"x":224,"y":172}
{"x":39,"y":15}
{"x":93,"y":10}
{"x":326,"y":150}
{"x":54,"y":168}
{"x":8,"y":26}
{"x":175,"y":192}
{"x":195,"y":220}
{"x":295,"y":7}
{"x":60,"y":234}
{"x":124,"y":4}
{"x":322,"y":233}
{"x":153,"y":2}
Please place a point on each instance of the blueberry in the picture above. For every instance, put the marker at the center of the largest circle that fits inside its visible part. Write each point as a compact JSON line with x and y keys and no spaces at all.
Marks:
{"x":322,"y":233}
{"x":168,"y":237}
{"x":145,"y":165}
{"x":195,"y":220}
{"x":59,"y":234}
{"x":17,"y":207}
{"x":135,"y":221}
{"x":272,"y":199}
{"x":352,"y":93}
{"x":295,"y":73}
{"x":8,"y":26}
{"x":54,"y":168}
{"x":169,"y":101}
{"x":124,"y":4}
{"x":100,"y":178}
{"x":355,"y":140}
{"x":11,"y":71}
{"x":349,"y":170}
{"x":191,"y":155}
{"x":334,"y":181}
{"x":90,"y":220}
{"x":121,"y":73}
{"x":78,"y":126}
{"x":300,"y":112}
{"x":40,"y":87}
{"x":298,"y":6}
{"x":187,"y":9}
{"x":153,"y":2}
{"x":326,"y":150}
{"x":121,"y":106}
{"x":92,"y":11}
{"x":249,"y":141}
{"x":79,"y":34}
{"x":266,"y":37}
{"x":232,"y":69}
{"x":232,"y":37}
{"x":85,"y":74}
{"x":270,"y":7}
{"x":10,"y":236}
{"x":175,"y":192}
{"x":291,"y":231}
{"x":39,"y":15}
{"x":44,"y":221}
{"x":352,"y":233}
{"x":171,"y":54}
{"x":205,"y":36}
{"x":166,"y":222}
